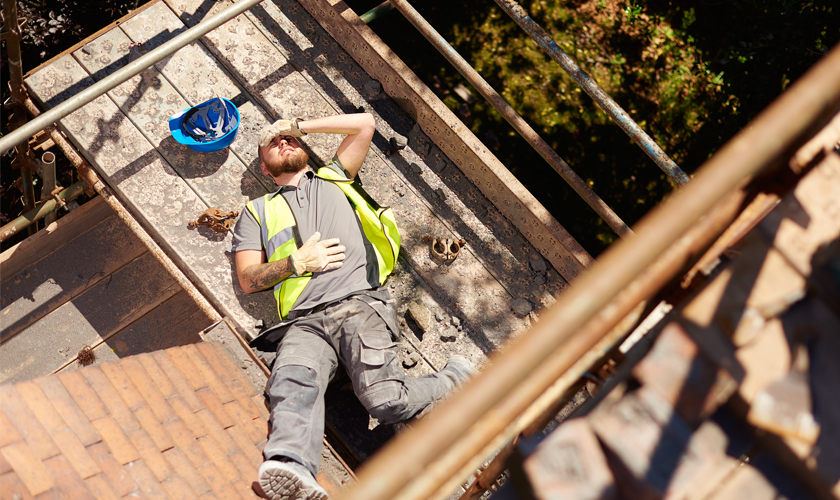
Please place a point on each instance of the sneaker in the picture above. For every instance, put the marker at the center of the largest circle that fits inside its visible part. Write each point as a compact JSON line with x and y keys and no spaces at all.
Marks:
{"x":289,"y":481}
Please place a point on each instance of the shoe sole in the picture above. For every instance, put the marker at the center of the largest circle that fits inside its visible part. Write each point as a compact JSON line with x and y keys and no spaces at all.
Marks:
{"x":279,"y":484}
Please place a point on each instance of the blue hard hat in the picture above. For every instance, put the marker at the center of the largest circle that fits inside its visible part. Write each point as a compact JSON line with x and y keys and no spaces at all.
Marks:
{"x":208,"y":127}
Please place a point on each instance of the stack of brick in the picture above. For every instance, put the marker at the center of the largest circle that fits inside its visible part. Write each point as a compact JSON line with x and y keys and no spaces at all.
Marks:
{"x":183,"y":423}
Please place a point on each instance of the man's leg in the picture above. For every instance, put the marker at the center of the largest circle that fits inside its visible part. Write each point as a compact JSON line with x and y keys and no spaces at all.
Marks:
{"x":304,"y":365}
{"x":369,"y":355}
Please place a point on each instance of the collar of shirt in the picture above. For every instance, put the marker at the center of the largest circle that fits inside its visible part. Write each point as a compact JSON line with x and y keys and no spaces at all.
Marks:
{"x":307,"y":177}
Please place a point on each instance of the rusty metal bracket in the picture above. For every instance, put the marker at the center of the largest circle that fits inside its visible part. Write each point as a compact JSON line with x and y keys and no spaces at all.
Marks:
{"x":445,"y":249}
{"x":215,"y":219}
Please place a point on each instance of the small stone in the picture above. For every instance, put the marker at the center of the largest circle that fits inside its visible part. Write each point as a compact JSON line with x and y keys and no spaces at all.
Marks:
{"x":372,"y":88}
{"x":450,"y":335}
{"x":456,"y":322}
{"x":421,"y":315}
{"x":540,"y":279}
{"x":398,"y":141}
{"x":521,"y":307}
{"x":411,"y":360}
{"x":538,"y":264}
{"x":440,"y":193}
{"x":416,"y":169}
{"x":438,"y":316}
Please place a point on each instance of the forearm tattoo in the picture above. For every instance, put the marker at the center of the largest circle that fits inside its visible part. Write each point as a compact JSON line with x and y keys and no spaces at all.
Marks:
{"x":262,"y":276}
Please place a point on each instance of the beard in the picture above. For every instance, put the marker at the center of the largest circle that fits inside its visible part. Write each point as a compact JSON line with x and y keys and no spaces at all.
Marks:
{"x":291,"y":164}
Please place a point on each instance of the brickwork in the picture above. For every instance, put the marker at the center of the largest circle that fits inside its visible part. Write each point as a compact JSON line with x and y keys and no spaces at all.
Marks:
{"x":182,"y":423}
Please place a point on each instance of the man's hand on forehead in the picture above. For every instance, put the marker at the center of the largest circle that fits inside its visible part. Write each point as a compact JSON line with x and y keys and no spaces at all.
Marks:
{"x":280,"y":128}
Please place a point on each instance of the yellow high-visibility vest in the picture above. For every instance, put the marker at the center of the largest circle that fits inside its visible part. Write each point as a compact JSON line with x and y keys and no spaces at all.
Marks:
{"x":281,"y":239}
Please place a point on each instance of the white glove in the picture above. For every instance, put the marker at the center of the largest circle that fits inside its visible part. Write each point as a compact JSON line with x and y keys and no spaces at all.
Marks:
{"x":280,"y":127}
{"x":316,"y":256}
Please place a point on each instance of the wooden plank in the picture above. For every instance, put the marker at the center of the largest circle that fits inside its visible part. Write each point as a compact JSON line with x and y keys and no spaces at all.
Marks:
{"x":157,"y":196}
{"x":81,"y":263}
{"x":87,"y":319}
{"x":54,"y":236}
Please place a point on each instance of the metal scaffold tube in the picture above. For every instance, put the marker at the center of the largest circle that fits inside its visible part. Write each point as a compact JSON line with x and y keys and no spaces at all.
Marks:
{"x":516,"y":121}
{"x":408,"y":466}
{"x":131,"y":69}
{"x":601,"y":98}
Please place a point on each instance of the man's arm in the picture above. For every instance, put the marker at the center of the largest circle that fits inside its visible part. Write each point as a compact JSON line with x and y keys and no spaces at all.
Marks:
{"x":314,"y":256}
{"x":256,"y":274}
{"x":359,"y":128}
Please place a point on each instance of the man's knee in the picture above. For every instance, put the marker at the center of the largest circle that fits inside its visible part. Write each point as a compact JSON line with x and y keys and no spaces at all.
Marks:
{"x":387,"y":402}
{"x":293,"y":388}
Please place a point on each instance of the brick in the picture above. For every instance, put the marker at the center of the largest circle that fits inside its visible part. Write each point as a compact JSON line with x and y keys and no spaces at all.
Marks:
{"x":686,"y":378}
{"x":155,"y":374}
{"x":67,"y":480}
{"x":217,"y":481}
{"x":569,"y":463}
{"x":212,"y":403}
{"x":217,"y":456}
{"x":176,"y":378}
{"x":185,"y":469}
{"x":150,"y":454}
{"x":84,"y":396}
{"x":245,"y":444}
{"x":5,"y":466}
{"x":153,"y":427}
{"x":211,"y":378}
{"x":117,"y":408}
{"x":117,"y":441}
{"x":185,"y":441}
{"x":28,"y":467}
{"x":72,"y":414}
{"x":122,"y":384}
{"x":244,"y":489}
{"x":146,"y":387}
{"x":118,"y":478}
{"x":178,"y":488}
{"x":8,"y":433}
{"x":208,"y":496}
{"x":146,"y":480}
{"x":190,"y":418}
{"x":70,"y":445}
{"x":12,"y":487}
{"x":101,"y":488}
{"x":244,"y":381}
{"x":247,"y":470}
{"x":259,"y":402}
{"x":215,"y":429}
{"x":187,"y":368}
{"x":26,"y":424}
{"x":219,"y":367}
{"x":243,"y":419}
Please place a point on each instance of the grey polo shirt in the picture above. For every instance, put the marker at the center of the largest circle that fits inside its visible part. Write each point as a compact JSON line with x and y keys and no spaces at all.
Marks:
{"x":318,"y":205}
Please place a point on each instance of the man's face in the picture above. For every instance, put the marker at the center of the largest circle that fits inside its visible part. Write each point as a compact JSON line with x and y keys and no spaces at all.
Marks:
{"x":284,"y":155}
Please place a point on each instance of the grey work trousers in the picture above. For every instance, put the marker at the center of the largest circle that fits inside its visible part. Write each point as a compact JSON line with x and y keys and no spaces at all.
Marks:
{"x":353,"y":332}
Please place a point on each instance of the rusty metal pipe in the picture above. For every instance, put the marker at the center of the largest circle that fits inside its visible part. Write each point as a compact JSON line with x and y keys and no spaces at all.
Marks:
{"x":517,"y":122}
{"x":377,"y":12}
{"x":93,"y":181}
{"x":559,"y":339}
{"x":601,"y":98}
{"x":38,"y":213}
{"x":21,"y":145}
{"x":46,"y":169}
